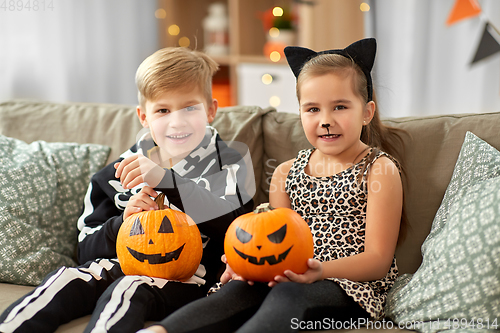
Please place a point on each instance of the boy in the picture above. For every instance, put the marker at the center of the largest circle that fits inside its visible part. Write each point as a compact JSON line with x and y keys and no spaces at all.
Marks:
{"x":177,"y":154}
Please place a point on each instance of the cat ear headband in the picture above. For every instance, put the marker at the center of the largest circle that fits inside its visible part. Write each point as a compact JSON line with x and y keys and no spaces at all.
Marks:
{"x":361,"y":52}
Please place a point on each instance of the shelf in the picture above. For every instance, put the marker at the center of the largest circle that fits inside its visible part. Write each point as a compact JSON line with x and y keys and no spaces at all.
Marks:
{"x":326,"y":24}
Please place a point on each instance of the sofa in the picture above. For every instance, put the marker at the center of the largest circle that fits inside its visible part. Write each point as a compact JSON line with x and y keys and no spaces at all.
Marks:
{"x":431,"y":148}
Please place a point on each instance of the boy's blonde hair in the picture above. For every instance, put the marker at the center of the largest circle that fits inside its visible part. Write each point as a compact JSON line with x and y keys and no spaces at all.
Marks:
{"x":173,"y":68}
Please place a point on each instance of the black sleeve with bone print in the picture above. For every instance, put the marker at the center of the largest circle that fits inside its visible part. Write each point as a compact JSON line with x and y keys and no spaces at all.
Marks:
{"x":208,"y":185}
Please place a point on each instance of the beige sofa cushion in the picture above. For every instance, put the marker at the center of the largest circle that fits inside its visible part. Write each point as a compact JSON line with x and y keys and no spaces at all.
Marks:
{"x":243,"y":124}
{"x":112,"y":125}
{"x":283,"y":138}
{"x":431,"y":150}
{"x":431,"y":154}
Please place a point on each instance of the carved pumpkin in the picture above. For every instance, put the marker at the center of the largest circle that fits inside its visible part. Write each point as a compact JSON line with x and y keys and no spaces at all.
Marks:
{"x":162,"y":243}
{"x":266,"y":242}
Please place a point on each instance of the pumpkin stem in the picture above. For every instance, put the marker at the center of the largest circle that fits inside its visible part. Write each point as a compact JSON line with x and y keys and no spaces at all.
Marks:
{"x":263,"y":207}
{"x":160,"y":201}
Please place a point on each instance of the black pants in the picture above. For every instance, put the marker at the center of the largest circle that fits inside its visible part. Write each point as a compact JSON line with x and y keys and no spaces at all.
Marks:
{"x":117,"y":303}
{"x":240,"y":307}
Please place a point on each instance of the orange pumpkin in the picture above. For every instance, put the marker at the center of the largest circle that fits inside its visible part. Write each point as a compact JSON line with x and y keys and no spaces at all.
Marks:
{"x":162,"y":243}
{"x":266,"y":242}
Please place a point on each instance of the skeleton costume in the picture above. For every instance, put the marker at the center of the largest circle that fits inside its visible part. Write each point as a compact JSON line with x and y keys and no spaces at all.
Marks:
{"x":208,"y":185}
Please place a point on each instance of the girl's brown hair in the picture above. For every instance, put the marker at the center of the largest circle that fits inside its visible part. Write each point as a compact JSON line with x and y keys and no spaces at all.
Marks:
{"x":375,"y":134}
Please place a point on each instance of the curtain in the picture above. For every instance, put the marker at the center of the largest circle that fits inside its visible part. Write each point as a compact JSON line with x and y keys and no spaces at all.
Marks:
{"x":72,"y":50}
{"x":423,"y":67}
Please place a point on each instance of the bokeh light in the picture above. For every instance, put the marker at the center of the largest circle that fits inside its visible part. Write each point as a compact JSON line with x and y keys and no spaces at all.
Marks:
{"x":274,"y":101}
{"x":274,"y":32}
{"x":174,"y":30}
{"x":160,"y":13}
{"x":267,"y":78}
{"x":278,"y":11}
{"x":184,"y":42}
{"x":275,"y":56}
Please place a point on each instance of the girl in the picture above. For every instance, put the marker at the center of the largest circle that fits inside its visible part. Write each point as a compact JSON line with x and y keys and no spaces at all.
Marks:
{"x":347,"y":189}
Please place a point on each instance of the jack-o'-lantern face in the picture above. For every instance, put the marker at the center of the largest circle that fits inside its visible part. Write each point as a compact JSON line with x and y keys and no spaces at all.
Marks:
{"x":265,"y":243}
{"x":276,"y":237}
{"x":155,"y":258}
{"x":163,"y":243}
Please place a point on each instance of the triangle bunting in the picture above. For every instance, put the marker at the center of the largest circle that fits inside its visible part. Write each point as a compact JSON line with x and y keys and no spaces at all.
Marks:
{"x":463,"y":9}
{"x":488,"y":45}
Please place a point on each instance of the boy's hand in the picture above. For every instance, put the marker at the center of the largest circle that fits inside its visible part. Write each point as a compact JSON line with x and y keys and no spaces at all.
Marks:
{"x":137,"y":169}
{"x":140,"y":202}
{"x":314,"y":273}
{"x":229,"y":274}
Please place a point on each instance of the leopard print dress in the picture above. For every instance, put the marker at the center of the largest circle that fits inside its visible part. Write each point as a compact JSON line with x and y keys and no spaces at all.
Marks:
{"x":335,"y":209}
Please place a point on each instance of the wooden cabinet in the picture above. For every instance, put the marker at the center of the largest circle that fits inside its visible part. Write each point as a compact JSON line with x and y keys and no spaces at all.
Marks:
{"x":322,"y":24}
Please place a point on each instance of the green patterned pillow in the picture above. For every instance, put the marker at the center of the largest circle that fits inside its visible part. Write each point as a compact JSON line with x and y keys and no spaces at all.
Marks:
{"x":42,"y":186}
{"x":459,"y":279}
{"x":477,"y":161}
{"x":460,"y":288}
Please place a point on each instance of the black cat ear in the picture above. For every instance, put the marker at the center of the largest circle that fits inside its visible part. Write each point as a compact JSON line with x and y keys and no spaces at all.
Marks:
{"x":363,"y":53}
{"x":297,"y":57}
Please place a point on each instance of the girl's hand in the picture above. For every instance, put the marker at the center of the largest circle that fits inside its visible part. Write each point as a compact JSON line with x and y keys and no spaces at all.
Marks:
{"x":313,"y":274}
{"x":229,"y":274}
{"x":137,"y":169}
{"x":140,"y":202}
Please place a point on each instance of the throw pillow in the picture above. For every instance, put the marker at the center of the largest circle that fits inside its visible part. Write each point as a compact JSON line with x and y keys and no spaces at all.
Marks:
{"x":460,"y":288}
{"x":42,"y":186}
{"x":477,"y":161}
{"x":459,"y":279}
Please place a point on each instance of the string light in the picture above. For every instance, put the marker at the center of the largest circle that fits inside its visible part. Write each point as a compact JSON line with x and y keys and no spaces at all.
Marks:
{"x":184,"y":42}
{"x":274,"y":32}
{"x":160,"y":13}
{"x":267,"y":78}
{"x":364,"y":7}
{"x":278,"y":11}
{"x":274,"y":101}
{"x":174,"y":30}
{"x":275,"y":56}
